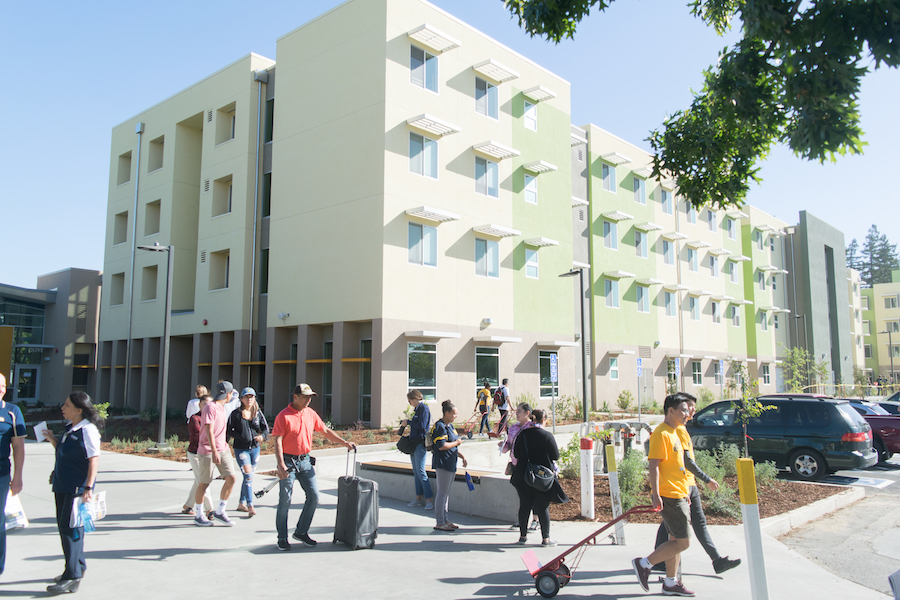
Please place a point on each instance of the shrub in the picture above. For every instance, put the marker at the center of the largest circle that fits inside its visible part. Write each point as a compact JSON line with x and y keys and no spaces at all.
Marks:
{"x":704,"y":398}
{"x":102,"y":410}
{"x":728,"y":456}
{"x":389,"y":430}
{"x":632,"y":476}
{"x":370,"y":436}
{"x":318,"y":441}
{"x":652,"y":408}
{"x":569,"y":458}
{"x":604,"y":408}
{"x":358,"y":426}
{"x":766,"y":473}
{"x":625,"y":400}
{"x":347,"y":435}
{"x":722,"y":501}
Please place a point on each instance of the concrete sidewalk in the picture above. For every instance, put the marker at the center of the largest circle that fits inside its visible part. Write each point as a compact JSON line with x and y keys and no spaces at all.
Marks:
{"x":146,"y":549}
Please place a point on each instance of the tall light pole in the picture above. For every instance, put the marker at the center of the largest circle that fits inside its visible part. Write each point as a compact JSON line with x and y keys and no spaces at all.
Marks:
{"x":585,"y":373}
{"x":161,"y":442}
{"x":890,"y":354}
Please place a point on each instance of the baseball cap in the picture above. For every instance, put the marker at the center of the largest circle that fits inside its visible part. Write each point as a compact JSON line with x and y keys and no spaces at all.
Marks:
{"x":223,"y":390}
{"x":248,"y":391}
{"x":306,"y":390}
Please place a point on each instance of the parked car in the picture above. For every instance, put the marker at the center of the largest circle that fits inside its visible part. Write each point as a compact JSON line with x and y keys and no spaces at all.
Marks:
{"x":891,"y":403}
{"x":885,"y":427}
{"x":866,"y":408}
{"x":810,"y":435}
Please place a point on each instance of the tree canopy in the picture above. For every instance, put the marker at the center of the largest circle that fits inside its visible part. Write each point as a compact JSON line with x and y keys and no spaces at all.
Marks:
{"x":793,"y":78}
{"x":876,"y":259}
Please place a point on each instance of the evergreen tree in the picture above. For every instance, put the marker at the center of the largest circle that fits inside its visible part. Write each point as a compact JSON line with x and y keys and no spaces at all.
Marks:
{"x":877,"y":258}
{"x":853,"y":260}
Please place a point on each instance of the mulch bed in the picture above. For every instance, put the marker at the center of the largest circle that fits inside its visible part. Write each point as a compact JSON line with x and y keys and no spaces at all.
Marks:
{"x":778,"y":498}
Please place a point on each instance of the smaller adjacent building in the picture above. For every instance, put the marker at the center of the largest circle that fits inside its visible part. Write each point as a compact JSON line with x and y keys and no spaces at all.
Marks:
{"x":880,"y":328}
{"x":48,"y":336}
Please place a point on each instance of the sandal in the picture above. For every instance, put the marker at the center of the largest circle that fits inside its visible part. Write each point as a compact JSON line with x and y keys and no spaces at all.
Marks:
{"x":453,"y":526}
{"x":242,"y":508}
{"x":187,"y":510}
{"x":534,"y":526}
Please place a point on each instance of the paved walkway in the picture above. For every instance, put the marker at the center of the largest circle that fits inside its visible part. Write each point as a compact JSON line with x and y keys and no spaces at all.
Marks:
{"x":146,"y":549}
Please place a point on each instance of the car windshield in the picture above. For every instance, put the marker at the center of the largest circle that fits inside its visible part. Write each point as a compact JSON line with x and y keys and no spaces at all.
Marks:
{"x":719,"y":415}
{"x":877,"y":410}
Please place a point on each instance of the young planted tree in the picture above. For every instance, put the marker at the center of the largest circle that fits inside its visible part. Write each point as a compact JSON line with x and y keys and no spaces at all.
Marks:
{"x":750,"y":407}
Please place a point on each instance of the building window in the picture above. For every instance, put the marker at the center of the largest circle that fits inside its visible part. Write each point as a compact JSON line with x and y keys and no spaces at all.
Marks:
{"x":226,"y":123}
{"x":868,"y":350}
{"x":486,"y":177}
{"x":772,"y":244}
{"x":151,"y":217}
{"x":421,"y":369}
{"x":642,"y":296}
{"x":148,"y":283}
{"x":270,"y":121}
{"x":423,"y":69}
{"x":123,"y":174}
{"x":697,"y":372}
{"x":487,"y":258}
{"x":423,"y":156}
{"x":713,"y":265}
{"x":666,"y":200}
{"x":155,"y":154}
{"x":117,"y":289}
{"x":865,"y":302}
{"x":711,"y":219}
{"x":892,"y":326}
{"x":487,"y":366}
{"x":365,"y":382}
{"x":610,"y":235}
{"x":895,"y":351}
{"x":774,"y":282}
{"x":775,"y":321}
{"x":765,"y":375}
{"x":609,"y":177}
{"x":267,"y":195}
{"x":219,"y":267}
{"x":546,"y":385}
{"x":120,"y":228}
{"x":866,"y":328}
{"x":486,"y":98}
{"x":691,"y":212}
{"x":611,"y":292}
{"x":422,"y":244}
{"x":530,"y":116}
{"x":671,"y":366}
{"x":531,"y":263}
{"x":670,"y":304}
{"x":531,"y":192}
{"x":640,"y":244}
{"x":735,"y":316}
{"x":717,"y":373}
{"x":694,"y":305}
{"x":763,"y":321}
{"x":264,"y":271}
{"x":716,"y":313}
{"x":640,"y":190}
{"x":730,"y":228}
{"x":761,"y":280}
{"x":668,"y":253}
{"x":614,"y":367}
{"x":732,"y":272}
{"x":759,"y":240}
{"x":223,"y":194}
{"x":890,"y":302}
{"x":692,"y":260}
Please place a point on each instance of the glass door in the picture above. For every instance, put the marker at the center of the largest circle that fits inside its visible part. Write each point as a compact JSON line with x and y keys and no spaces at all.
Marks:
{"x":27,"y":384}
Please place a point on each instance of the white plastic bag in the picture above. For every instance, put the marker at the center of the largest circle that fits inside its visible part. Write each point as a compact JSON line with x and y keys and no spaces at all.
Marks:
{"x":96,"y":508}
{"x":15,"y":514}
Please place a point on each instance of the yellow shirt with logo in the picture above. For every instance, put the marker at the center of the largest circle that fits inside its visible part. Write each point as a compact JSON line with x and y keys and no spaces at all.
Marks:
{"x":485,"y":397}
{"x":687,"y":445}
{"x":666,"y":446}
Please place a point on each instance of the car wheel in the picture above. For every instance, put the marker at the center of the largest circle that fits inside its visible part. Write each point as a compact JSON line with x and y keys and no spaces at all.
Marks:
{"x":808,"y":465}
{"x":882,"y":452}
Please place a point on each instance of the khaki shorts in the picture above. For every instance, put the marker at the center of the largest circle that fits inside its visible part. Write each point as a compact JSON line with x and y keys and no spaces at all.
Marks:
{"x":207,"y":469}
{"x":676,"y":515}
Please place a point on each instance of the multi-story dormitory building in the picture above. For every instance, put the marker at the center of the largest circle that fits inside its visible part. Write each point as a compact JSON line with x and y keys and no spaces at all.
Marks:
{"x":879,"y":327}
{"x":390,"y":207}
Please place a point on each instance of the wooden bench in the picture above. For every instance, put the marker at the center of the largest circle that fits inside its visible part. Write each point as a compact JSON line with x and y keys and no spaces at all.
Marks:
{"x":405,"y":468}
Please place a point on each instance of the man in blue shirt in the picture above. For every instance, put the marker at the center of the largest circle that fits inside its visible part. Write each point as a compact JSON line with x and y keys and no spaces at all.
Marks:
{"x":12,"y":437}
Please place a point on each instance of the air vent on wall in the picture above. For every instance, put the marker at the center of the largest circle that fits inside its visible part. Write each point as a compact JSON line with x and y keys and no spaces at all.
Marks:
{"x":206,"y":186}
{"x":203,"y":256}
{"x":587,"y":348}
{"x":581,"y":215}
{"x":580,"y":155}
{"x":644,"y":351}
{"x":209,"y":116}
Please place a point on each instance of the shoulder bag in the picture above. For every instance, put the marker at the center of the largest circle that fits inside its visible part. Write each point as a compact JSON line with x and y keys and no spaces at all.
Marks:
{"x":537,"y":476}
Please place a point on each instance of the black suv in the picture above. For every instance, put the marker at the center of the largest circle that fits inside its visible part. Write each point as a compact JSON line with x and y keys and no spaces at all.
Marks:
{"x":812,"y":436}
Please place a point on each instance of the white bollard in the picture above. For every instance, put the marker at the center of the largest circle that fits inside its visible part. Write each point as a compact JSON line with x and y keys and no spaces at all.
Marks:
{"x":614,"y":495}
{"x":759,"y":587}
{"x":587,"y":478}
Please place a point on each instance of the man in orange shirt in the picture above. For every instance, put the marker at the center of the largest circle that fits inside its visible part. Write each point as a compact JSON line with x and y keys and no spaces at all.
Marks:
{"x":293,"y":431}
{"x":670,"y":491}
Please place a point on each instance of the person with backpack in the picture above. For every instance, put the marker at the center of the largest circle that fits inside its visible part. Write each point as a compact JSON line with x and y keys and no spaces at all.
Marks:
{"x":484,"y":404}
{"x":418,"y":428}
{"x":445,"y":444}
{"x":501,"y":401}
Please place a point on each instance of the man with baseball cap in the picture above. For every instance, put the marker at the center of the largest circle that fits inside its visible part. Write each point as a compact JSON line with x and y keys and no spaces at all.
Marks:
{"x":293,"y":431}
{"x":213,"y":453}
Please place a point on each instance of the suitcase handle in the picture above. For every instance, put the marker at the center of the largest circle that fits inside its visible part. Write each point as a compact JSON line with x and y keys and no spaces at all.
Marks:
{"x":348,"y":462}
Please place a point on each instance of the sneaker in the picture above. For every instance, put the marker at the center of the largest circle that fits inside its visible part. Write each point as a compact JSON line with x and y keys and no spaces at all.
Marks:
{"x":415,"y":503}
{"x":305,"y":540}
{"x":429,"y":506}
{"x":642,"y":574}
{"x":202,"y":521}
{"x":522,"y":540}
{"x":677,"y":590}
{"x":284,"y":546}
{"x":534,"y":526}
{"x":723,"y":563}
{"x":548,"y":543}
{"x":223,"y":518}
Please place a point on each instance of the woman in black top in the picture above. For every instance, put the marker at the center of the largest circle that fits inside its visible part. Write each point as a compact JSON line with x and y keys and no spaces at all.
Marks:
{"x":248,"y":427}
{"x":537,"y":446}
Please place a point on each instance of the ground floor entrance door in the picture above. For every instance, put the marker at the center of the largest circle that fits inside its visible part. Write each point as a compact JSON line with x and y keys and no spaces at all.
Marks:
{"x":27,"y":383}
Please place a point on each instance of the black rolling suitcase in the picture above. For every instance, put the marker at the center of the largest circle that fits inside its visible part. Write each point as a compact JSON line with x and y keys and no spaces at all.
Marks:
{"x":357,"y":510}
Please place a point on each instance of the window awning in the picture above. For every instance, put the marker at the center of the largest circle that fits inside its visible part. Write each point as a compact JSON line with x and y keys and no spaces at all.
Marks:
{"x":673,"y":354}
{"x":433,"y":37}
{"x":498,"y":231}
{"x":575,"y":139}
{"x":619,"y":275}
{"x":697,"y":244}
{"x":767,"y":268}
{"x":747,"y":302}
{"x":495,"y":150}
{"x":765,"y":228}
{"x":668,"y":184}
{"x":432,"y":125}
{"x":496,"y":339}
{"x":699,"y":293}
{"x":617,"y":215}
{"x":434,"y":335}
{"x":739,"y":258}
{"x":650,"y":281}
{"x":558,"y":344}
{"x":780,"y":272}
{"x":578,"y":202}
{"x":720,"y":251}
{"x":541,"y":242}
{"x":619,"y":351}
{"x":492,"y":69}
{"x":615,"y":158}
{"x":580,"y":265}
{"x":539,"y":166}
{"x":737,"y":214}
{"x":711,"y":357}
{"x":648,"y":226}
{"x":675,"y":287}
{"x":539,"y":93}
{"x":722,"y":298}
{"x":644,"y":172}
{"x":673,"y":236}
{"x":433,"y":214}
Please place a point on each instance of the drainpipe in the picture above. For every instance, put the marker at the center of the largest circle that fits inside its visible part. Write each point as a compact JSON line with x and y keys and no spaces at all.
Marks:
{"x":260,"y":77}
{"x":139,"y":130}
{"x":591,"y":270}
{"x":680,"y":298}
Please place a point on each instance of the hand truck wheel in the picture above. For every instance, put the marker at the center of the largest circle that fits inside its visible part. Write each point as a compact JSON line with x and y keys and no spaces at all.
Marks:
{"x":564,"y":575}
{"x":547,"y":584}
{"x":469,"y":434}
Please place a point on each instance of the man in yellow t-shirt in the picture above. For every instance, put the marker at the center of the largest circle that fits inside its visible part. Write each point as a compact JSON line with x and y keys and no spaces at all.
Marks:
{"x":484,"y":403}
{"x":698,"y":519}
{"x":670,"y":491}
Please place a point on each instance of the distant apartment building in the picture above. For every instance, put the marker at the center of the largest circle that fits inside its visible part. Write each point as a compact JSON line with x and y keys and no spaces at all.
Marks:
{"x":881,"y":329}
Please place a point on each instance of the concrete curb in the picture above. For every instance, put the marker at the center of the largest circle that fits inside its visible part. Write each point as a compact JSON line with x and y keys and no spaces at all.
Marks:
{"x":781,"y":524}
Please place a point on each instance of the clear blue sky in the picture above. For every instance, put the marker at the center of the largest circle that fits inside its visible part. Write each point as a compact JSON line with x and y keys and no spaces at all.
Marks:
{"x":75,"y":70}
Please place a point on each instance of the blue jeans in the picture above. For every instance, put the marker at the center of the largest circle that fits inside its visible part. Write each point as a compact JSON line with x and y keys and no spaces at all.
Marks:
{"x":423,"y":485}
{"x":303,"y":472}
{"x":247,"y":457}
{"x":485,"y":424}
{"x":4,"y":489}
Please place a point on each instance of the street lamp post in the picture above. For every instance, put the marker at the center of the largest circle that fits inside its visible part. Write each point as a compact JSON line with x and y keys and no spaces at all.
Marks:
{"x":161,"y":442}
{"x":585,"y":373}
